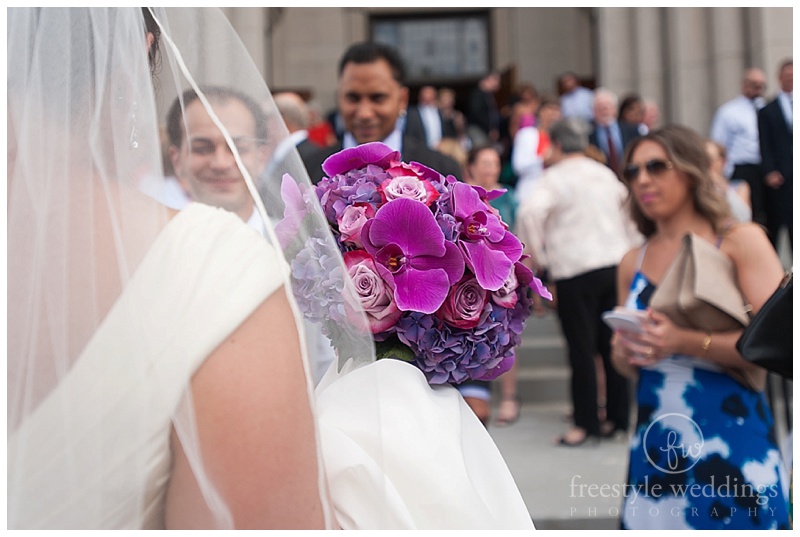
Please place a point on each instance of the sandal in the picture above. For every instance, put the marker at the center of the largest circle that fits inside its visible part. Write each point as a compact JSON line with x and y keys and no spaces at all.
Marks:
{"x":562,"y":440}
{"x":607,"y":429}
{"x":509,"y":411}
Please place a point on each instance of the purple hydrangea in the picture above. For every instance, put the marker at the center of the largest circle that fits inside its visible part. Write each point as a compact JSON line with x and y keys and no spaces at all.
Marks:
{"x":417,"y":231}
{"x":356,"y":186}
{"x":318,"y":280}
{"x":452,"y":355}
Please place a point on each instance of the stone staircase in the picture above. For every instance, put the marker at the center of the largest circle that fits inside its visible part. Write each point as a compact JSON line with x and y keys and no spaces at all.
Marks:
{"x":549,"y":476}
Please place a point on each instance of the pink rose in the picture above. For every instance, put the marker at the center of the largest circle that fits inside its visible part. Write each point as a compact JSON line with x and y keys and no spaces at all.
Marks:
{"x":506,"y":296}
{"x":398,"y":169}
{"x":464,"y":304}
{"x":353,"y":219}
{"x":405,"y":182}
{"x":373,"y":291}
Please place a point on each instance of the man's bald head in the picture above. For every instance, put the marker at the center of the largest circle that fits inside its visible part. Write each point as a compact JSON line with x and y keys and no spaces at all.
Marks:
{"x":293,"y":109}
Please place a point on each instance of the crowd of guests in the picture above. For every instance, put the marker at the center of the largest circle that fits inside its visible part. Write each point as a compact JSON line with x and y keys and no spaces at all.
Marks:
{"x":600,"y":194}
{"x":603,"y":198}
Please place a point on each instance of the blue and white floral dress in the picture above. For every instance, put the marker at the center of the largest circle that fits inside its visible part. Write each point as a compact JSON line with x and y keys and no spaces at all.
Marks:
{"x":703,"y":454}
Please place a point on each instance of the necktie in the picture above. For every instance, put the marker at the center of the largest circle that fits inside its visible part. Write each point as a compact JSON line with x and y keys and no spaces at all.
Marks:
{"x":613,"y":155}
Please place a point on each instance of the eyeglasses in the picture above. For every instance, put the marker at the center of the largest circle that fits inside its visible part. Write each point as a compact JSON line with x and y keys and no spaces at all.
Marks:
{"x":654,"y":167}
{"x":204,"y":146}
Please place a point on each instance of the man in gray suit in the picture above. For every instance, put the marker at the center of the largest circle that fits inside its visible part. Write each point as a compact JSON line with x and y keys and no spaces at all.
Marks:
{"x":372,"y":97}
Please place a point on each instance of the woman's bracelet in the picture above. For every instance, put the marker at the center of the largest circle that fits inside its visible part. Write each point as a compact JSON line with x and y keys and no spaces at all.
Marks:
{"x":706,"y":343}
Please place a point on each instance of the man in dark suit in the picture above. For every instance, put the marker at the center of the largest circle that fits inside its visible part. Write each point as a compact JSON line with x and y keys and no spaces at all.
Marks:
{"x":483,"y":114}
{"x":372,"y":96}
{"x":424,"y":121}
{"x":775,"y":141}
{"x":607,"y":134}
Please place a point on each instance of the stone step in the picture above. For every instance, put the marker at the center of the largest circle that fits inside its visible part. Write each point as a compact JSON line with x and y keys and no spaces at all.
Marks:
{"x":543,"y":384}
{"x":542,"y":372}
{"x":598,"y":522}
{"x":542,"y":350}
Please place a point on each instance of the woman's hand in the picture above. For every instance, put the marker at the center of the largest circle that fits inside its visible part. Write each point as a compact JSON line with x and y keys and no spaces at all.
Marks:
{"x":662,"y":335}
{"x":658,"y":339}
{"x":627,"y":353}
{"x":634,"y":349}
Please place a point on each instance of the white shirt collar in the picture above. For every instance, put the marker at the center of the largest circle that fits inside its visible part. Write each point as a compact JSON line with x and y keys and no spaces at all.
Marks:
{"x":257,"y":223}
{"x":298,"y":136}
{"x":785,"y":100}
{"x":394,"y":140}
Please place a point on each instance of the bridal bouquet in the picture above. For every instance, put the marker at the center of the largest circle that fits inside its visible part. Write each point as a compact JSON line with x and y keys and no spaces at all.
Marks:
{"x":435,"y":268}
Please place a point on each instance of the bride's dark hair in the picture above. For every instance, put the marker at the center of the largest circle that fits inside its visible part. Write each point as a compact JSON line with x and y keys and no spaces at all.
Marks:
{"x":152,"y":27}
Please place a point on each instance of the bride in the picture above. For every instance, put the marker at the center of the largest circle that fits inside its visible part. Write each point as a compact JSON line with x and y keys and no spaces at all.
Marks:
{"x":158,"y":368}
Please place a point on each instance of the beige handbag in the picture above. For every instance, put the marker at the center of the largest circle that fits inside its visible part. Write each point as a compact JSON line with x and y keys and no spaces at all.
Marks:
{"x":699,"y":291}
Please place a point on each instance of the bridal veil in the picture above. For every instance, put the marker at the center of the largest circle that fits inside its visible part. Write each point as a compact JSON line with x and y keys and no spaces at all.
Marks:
{"x":88,"y":97}
{"x":117,"y":304}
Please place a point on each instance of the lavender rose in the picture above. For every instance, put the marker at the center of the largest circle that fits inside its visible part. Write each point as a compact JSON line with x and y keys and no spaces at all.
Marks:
{"x":375,"y":294}
{"x":464,"y":304}
{"x":352,"y":220}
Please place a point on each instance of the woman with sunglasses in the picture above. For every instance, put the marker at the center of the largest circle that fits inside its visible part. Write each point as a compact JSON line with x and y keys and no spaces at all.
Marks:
{"x":703,"y":454}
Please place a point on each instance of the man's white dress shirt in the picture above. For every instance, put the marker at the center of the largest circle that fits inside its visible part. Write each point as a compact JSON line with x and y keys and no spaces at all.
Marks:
{"x":735,"y":125}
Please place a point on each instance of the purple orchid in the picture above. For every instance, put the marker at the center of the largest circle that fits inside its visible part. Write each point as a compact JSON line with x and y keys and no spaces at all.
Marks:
{"x":405,"y":238}
{"x":527,"y":279}
{"x":490,"y":250}
{"x":295,"y":210}
{"x":360,"y":156}
{"x":489,"y":195}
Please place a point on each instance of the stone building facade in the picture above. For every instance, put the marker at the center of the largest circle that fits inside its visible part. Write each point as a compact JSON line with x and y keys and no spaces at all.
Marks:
{"x":689,"y":60}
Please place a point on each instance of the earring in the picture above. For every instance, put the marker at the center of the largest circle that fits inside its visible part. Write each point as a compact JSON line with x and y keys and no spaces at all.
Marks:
{"x":403,"y":112}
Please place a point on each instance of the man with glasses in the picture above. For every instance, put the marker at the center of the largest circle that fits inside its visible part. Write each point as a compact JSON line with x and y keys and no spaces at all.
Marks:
{"x":735,"y":126}
{"x":206,"y":168}
{"x":204,"y":164}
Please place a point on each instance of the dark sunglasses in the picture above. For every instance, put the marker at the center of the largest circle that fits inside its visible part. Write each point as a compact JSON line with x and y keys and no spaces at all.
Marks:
{"x":654,"y":168}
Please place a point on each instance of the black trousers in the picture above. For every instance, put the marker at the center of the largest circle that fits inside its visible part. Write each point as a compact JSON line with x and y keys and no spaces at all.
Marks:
{"x":779,"y":211}
{"x":754,"y":176}
{"x":581,"y":301}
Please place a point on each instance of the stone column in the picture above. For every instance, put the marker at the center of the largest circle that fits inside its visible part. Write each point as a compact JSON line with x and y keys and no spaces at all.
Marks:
{"x":771,"y":40}
{"x":689,"y":77}
{"x":615,"y":53}
{"x":649,"y":70}
{"x":726,"y":64}
{"x":249,"y":23}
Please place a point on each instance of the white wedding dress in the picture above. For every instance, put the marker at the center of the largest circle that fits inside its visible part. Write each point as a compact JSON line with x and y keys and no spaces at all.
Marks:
{"x":431,"y":465}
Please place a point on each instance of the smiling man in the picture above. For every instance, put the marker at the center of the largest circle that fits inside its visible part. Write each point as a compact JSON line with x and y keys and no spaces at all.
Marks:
{"x":204,"y":164}
{"x":372,"y":97}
